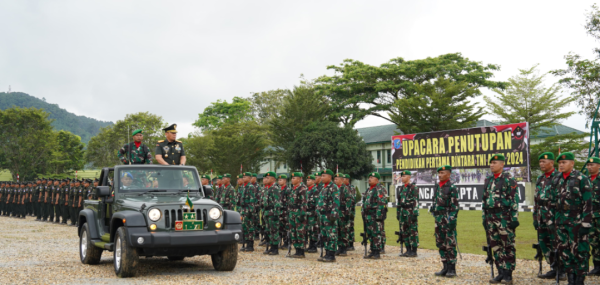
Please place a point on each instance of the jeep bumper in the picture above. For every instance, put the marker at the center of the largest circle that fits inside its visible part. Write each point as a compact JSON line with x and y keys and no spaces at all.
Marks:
{"x":208,"y":238}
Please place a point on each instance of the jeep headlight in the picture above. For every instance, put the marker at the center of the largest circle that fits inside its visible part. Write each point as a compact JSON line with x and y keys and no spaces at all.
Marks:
{"x":214,"y":213}
{"x":154,"y":215}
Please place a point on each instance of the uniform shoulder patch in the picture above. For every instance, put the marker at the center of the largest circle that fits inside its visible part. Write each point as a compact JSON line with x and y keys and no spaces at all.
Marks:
{"x":178,"y":141}
{"x":160,"y":141}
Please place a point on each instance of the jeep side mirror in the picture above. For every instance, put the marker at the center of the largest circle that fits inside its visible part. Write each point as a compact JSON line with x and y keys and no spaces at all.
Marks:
{"x":103,"y":191}
{"x":208,"y":191}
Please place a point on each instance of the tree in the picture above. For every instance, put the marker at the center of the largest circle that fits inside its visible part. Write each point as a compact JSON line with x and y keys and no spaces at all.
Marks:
{"x":572,"y":142}
{"x":234,"y":144}
{"x":527,"y":100}
{"x":67,"y":155}
{"x":441,"y":105}
{"x":324,"y":144}
{"x":221,"y":112}
{"x":358,"y":90}
{"x":582,"y":76}
{"x":266,"y":105}
{"x":26,"y":139}
{"x":197,"y":147}
{"x":103,"y":148}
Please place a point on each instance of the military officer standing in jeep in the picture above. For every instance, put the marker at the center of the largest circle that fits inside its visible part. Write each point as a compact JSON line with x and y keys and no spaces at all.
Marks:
{"x":135,"y":152}
{"x":170,"y":151}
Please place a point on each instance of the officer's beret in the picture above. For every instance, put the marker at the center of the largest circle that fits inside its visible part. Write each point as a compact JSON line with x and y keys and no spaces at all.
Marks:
{"x":219,"y":176}
{"x":270,"y":174}
{"x":445,"y":167}
{"x":226,"y":175}
{"x":593,"y":160}
{"x":405,"y":172}
{"x":497,"y":156}
{"x":254,"y":175}
{"x":327,"y":171}
{"x":297,"y":174}
{"x":138,"y":131}
{"x":339,"y":175}
{"x":241,"y":176}
{"x":318,"y":173}
{"x":375,"y":174}
{"x":310,"y":176}
{"x":546,"y":155}
{"x":248,"y":174}
{"x":565,"y":156}
{"x":171,"y":129}
{"x":282,"y":176}
{"x":347,"y":176}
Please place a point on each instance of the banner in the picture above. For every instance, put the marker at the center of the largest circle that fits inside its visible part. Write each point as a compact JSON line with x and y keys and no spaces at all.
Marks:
{"x":468,"y":152}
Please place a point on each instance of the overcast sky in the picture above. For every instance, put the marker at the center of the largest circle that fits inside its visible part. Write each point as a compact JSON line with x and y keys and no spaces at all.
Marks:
{"x":173,"y":58}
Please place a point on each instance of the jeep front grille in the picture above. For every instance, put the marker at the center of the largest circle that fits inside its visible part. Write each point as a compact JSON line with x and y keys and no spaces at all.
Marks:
{"x":177,"y":215}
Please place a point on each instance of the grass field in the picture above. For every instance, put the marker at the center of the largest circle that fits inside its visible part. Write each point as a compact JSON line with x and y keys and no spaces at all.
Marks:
{"x":5,"y":175}
{"x":470,"y":233}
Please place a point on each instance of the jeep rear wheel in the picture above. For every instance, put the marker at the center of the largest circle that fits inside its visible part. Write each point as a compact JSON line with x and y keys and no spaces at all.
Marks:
{"x":125,"y":256}
{"x":88,"y":252}
{"x":225,"y":260}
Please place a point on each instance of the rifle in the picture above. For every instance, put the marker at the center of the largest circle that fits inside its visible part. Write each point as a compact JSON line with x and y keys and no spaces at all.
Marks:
{"x":490,"y":256}
{"x":456,"y":239}
{"x":538,"y":256}
{"x":556,"y":264}
{"x":319,"y":239}
{"x":365,"y":241}
{"x":400,"y":241}
{"x":289,"y":239}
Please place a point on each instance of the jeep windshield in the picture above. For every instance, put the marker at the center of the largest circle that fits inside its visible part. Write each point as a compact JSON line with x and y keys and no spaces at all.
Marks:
{"x":146,"y":179}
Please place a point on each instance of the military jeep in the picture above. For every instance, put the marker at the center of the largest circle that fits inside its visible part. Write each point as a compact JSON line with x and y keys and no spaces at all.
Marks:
{"x":156,"y":210}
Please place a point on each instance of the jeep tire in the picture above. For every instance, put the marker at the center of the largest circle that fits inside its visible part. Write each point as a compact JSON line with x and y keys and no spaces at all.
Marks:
{"x":88,"y":252}
{"x":125,"y":256}
{"x":225,"y":260}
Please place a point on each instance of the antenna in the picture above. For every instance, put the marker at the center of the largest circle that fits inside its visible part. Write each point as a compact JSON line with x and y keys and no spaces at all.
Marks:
{"x":8,"y":89}
{"x":128,"y":145}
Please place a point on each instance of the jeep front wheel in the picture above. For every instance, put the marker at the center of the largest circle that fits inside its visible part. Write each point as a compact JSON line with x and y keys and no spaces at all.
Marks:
{"x":88,"y":252}
{"x":125,"y":256}
{"x":225,"y":260}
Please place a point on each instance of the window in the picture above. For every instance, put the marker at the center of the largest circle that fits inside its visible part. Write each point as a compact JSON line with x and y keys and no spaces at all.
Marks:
{"x":379,"y":156}
{"x":284,"y":166}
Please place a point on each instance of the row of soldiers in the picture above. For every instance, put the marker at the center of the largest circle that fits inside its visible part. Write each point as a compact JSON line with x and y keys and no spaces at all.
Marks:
{"x":48,"y":200}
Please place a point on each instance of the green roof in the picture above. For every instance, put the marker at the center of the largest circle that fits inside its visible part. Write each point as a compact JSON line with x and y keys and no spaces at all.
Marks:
{"x":383,"y":134}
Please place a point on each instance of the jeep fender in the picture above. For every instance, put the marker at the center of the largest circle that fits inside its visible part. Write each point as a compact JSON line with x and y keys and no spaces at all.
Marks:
{"x":129,"y":219}
{"x":231,"y":217}
{"x":90,"y":218}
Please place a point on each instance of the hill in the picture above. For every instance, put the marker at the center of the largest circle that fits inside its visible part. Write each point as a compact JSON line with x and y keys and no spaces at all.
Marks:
{"x":82,"y":126}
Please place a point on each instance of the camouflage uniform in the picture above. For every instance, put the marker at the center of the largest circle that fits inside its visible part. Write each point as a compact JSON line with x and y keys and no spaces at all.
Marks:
{"x":271,"y":211}
{"x":71,"y":207}
{"x":407,"y":214}
{"x":139,"y":155}
{"x":217,"y":191}
{"x":573,"y":199}
{"x":500,"y":216}
{"x":284,"y":222}
{"x":247,"y":204}
{"x":374,"y":212}
{"x":353,"y":192}
{"x":2,"y":198}
{"x":260,"y":227}
{"x":445,"y":211}
{"x":543,"y":211}
{"x":345,"y":216}
{"x":227,"y":199}
{"x":595,"y":231}
{"x":312,"y":226}
{"x":297,"y":207}
{"x":328,"y":207}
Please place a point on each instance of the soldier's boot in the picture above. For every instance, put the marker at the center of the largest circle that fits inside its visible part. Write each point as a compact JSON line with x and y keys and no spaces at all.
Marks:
{"x":561,"y":275}
{"x":274,"y":250}
{"x":507,"y":277}
{"x":443,"y":271}
{"x":299,"y":253}
{"x":382,"y":251}
{"x":579,"y":279}
{"x":263,"y":243}
{"x":451,"y":271}
{"x":344,"y":252}
{"x":376,"y":254}
{"x":243,"y":248}
{"x":267,"y":250}
{"x":330,"y":257}
{"x":413,"y":252}
{"x":284,"y":244}
{"x":250,"y":246}
{"x":596,"y":270}
{"x":498,"y":277}
{"x":312,"y":247}
{"x":571,"y":279}
{"x":549,"y":275}
{"x":350,"y":248}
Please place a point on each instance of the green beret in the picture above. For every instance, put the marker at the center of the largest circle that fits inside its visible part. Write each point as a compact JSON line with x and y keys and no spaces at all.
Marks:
{"x":347,"y":176}
{"x":445,"y":167}
{"x":270,"y":174}
{"x":565,"y":156}
{"x":327,"y":171}
{"x":226,"y":175}
{"x":205,"y":177}
{"x":138,"y":131}
{"x":282,"y":176}
{"x":405,"y":172}
{"x":241,"y":176}
{"x":318,"y":173}
{"x":297,"y":174}
{"x":310,"y":176}
{"x":593,"y":160}
{"x":339,"y":175}
{"x":375,"y":174}
{"x":254,"y":175}
{"x":546,"y":155}
{"x":497,"y":156}
{"x":248,"y":174}
{"x":219,"y":176}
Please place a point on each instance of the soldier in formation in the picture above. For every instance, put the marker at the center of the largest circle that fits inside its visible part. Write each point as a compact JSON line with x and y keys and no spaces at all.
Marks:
{"x":445,"y":212}
{"x":593,"y":167}
{"x":345,"y":215}
{"x":328,"y":207}
{"x":271,"y":210}
{"x":374,"y":212}
{"x":246,"y":208}
{"x":353,"y":192}
{"x":312,"y":226}
{"x":284,"y":224}
{"x":228,"y":197}
{"x":407,"y":214}
{"x":297,"y":207}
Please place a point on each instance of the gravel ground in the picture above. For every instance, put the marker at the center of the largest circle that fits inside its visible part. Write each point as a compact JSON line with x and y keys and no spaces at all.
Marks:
{"x":41,"y":253}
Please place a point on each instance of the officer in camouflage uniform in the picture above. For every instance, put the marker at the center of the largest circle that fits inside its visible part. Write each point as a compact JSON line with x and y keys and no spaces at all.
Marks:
{"x":353,"y":192}
{"x":205,"y":180}
{"x":136,"y":151}
{"x":49,"y":201}
{"x":312,"y":226}
{"x":260,"y":225}
{"x":2,"y":197}
{"x":573,"y":218}
{"x":500,"y":216}
{"x":227,"y":199}
{"x":71,"y":201}
{"x":12,"y":199}
{"x":593,"y":167}
{"x":35,"y":195}
{"x":297,"y":207}
{"x":373,"y":212}
{"x":218,"y":188}
{"x":284,"y":223}
{"x":43,"y":199}
{"x":89,"y":191}
{"x":39,"y":199}
{"x":170,"y":151}
{"x":247,"y":208}
{"x":407,"y":214}
{"x":345,"y":214}
{"x":271,"y":207}
{"x":543,"y":211}
{"x":328,"y":207}
{"x":445,"y":212}
{"x":9,"y":197}
{"x":63,"y":200}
